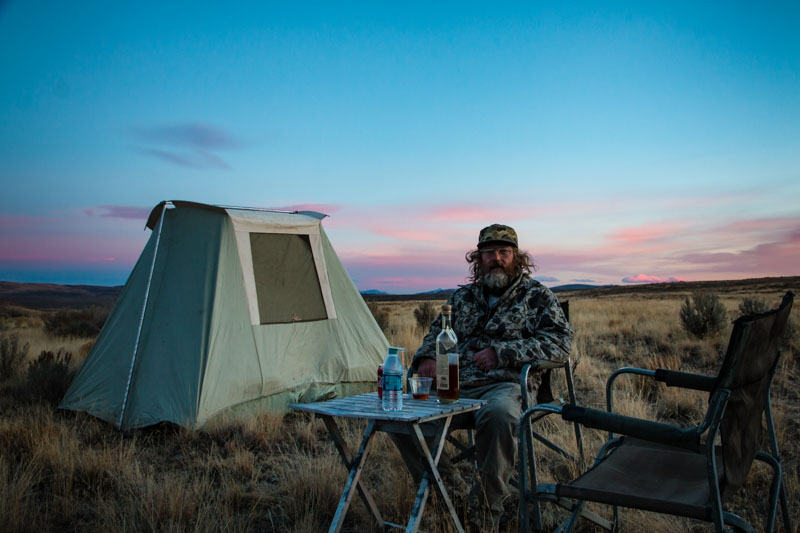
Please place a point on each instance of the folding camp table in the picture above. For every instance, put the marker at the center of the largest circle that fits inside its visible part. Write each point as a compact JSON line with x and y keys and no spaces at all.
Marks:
{"x":419,"y":418}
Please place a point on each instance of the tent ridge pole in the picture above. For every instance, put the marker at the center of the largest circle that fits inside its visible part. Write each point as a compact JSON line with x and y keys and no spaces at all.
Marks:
{"x":141,"y":317}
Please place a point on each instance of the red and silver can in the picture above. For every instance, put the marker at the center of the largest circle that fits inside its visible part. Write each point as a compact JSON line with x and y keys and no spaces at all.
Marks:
{"x":380,"y":381}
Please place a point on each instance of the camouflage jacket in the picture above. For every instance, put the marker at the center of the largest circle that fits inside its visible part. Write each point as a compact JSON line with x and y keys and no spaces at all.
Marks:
{"x":525,"y":324}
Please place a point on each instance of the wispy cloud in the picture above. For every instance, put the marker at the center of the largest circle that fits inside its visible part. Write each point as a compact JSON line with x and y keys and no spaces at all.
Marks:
{"x":548,"y":279}
{"x":473,"y":213}
{"x":643,"y":234}
{"x":119,"y":211}
{"x":191,"y":159}
{"x":191,"y":145}
{"x":72,"y":239}
{"x":197,"y":135}
{"x":780,"y":257}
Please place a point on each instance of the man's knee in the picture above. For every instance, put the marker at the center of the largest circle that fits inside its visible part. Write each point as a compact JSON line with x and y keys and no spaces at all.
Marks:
{"x":502,"y":410}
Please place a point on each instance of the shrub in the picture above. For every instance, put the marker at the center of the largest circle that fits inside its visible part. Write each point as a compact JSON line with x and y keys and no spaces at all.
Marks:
{"x":11,"y":356}
{"x":703,"y":315}
{"x":76,"y":322}
{"x":752,"y":306}
{"x":380,"y":315}
{"x":49,"y":375}
{"x":425,"y":314}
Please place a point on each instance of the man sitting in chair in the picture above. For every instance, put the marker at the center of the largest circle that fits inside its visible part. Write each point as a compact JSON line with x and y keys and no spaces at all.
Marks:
{"x":503,"y":320}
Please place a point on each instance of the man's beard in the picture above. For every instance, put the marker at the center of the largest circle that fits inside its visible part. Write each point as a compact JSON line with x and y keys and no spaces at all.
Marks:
{"x":497,"y":279}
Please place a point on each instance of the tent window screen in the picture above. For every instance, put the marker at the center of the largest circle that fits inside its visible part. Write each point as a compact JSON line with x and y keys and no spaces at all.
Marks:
{"x":287,"y":285}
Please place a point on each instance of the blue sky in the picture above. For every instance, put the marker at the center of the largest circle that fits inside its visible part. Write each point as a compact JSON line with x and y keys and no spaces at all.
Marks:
{"x":626,"y":142}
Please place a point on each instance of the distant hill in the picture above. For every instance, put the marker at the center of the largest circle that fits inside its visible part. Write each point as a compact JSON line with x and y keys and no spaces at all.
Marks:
{"x":653,"y":290}
{"x":576,"y":287}
{"x":378,"y":296}
{"x":45,"y":296}
{"x":48,"y":296}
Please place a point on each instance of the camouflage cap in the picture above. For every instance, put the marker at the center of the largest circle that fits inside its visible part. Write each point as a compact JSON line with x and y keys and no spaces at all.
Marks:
{"x":497,"y":233}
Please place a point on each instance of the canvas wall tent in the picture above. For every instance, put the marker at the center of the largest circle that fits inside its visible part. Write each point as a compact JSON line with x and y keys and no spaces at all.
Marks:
{"x":228,"y":309}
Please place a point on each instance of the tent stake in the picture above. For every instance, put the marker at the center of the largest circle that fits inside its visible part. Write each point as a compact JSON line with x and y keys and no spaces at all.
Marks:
{"x":141,"y":317}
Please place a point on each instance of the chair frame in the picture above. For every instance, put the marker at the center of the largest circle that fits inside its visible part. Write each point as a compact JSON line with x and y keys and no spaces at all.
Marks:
{"x":654,"y":431}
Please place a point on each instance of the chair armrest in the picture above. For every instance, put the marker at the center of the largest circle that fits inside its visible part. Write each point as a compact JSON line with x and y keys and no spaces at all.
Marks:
{"x":544,"y":364}
{"x":545,"y":409}
{"x":685,"y":380}
{"x":613,"y":377}
{"x":672,"y":378}
{"x":633,"y":427}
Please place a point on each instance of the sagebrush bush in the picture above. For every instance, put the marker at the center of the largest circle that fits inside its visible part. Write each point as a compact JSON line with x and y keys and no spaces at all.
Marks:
{"x":703,"y":315}
{"x":380,"y":315}
{"x":11,"y":356}
{"x":49,"y":375}
{"x":424,"y":314}
{"x":753,"y":306}
{"x":76,"y":322}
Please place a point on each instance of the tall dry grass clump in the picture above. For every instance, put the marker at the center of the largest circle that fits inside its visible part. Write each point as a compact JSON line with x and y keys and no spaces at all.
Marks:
{"x":12,"y":354}
{"x":425,"y":314}
{"x":65,"y":471}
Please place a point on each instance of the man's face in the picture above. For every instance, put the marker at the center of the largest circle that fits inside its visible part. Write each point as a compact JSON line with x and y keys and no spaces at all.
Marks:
{"x":498,"y":265}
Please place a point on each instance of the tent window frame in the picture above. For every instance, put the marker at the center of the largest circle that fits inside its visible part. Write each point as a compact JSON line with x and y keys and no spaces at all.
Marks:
{"x":242,"y":231}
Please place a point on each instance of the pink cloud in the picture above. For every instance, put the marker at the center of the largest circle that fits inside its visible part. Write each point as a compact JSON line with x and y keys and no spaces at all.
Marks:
{"x":770,"y":225}
{"x":415,"y":233}
{"x":645,"y":233}
{"x":11,"y":222}
{"x":70,"y":249}
{"x":777,"y":258}
{"x":475,"y":213}
{"x":644,"y":278}
{"x":119,"y":211}
{"x":507,"y":212}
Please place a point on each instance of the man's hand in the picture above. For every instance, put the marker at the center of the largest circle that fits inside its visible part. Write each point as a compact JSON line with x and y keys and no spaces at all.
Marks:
{"x":486,"y":359}
{"x":427,"y":368}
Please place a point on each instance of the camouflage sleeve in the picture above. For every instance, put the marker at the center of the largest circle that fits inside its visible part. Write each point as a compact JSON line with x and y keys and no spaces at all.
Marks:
{"x":552,"y":339}
{"x":428,"y":348}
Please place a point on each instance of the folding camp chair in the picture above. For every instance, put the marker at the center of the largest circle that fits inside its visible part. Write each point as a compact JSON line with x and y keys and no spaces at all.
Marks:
{"x":668,"y":469}
{"x":545,"y":395}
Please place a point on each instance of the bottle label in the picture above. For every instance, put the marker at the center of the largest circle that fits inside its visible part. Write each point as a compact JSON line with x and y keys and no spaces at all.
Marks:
{"x":393,"y":382}
{"x":442,"y":373}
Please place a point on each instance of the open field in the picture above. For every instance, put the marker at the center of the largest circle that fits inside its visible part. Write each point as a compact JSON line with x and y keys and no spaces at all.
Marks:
{"x":61,"y":471}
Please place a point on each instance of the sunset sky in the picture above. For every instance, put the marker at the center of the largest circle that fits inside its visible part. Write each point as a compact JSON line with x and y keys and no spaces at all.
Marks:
{"x":626,"y":142}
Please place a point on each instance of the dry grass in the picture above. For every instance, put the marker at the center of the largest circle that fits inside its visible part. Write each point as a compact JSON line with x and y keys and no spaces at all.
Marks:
{"x":61,"y":471}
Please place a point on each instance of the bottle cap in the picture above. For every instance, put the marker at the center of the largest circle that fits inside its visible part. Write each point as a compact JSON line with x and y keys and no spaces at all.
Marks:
{"x":446,"y":309}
